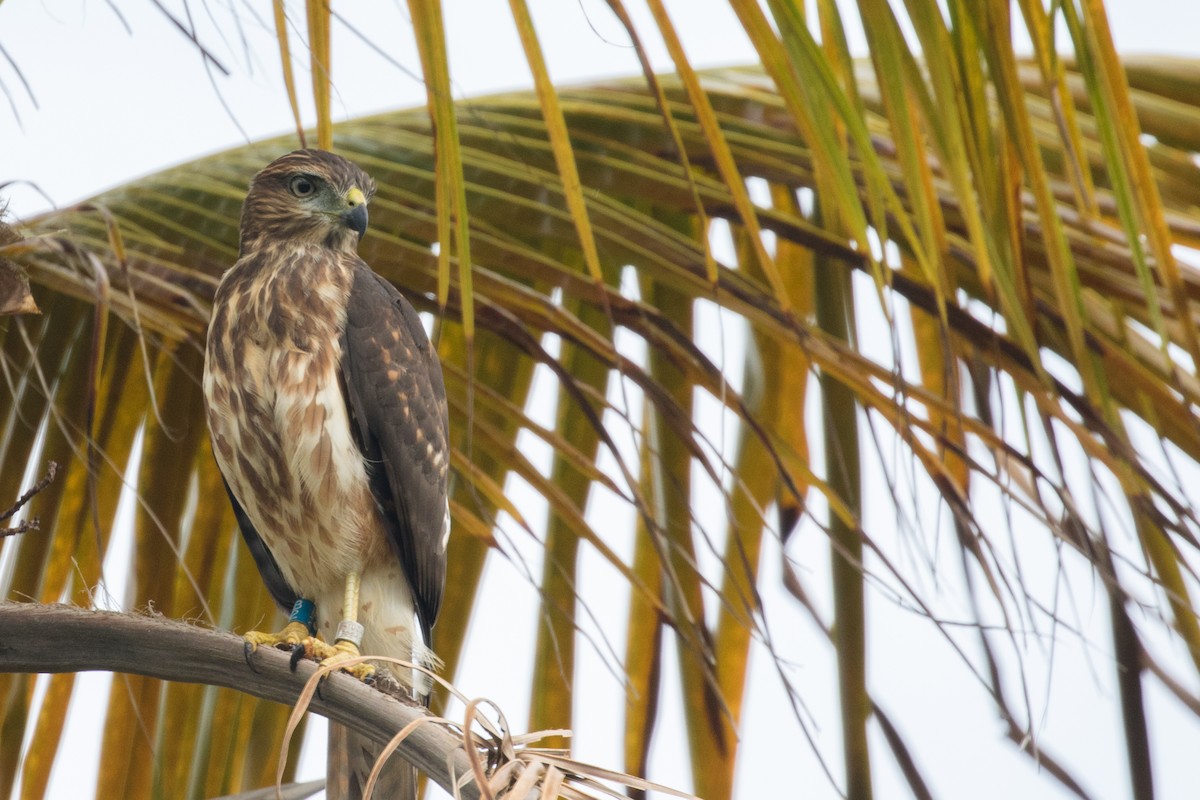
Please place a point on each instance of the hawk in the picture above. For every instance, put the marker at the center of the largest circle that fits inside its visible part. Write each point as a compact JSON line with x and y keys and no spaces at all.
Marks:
{"x":329,"y":423}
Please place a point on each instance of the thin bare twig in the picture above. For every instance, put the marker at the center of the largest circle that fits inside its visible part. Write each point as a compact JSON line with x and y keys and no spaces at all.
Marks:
{"x":34,"y":523}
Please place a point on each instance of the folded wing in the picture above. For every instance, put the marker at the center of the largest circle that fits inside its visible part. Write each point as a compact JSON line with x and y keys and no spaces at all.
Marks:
{"x":392,"y":382}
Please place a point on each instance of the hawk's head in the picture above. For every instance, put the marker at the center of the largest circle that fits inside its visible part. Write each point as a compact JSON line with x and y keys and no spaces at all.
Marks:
{"x":308,"y":196}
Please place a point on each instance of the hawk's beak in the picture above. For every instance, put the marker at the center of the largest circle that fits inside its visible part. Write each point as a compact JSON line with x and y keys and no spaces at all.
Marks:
{"x":356,"y":216}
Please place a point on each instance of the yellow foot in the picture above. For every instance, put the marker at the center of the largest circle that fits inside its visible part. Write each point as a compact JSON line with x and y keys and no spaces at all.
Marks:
{"x":342,"y":651}
{"x":295,"y":633}
{"x":295,"y":637}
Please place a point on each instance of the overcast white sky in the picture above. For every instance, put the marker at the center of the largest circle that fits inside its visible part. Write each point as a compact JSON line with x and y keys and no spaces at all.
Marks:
{"x":112,"y":104}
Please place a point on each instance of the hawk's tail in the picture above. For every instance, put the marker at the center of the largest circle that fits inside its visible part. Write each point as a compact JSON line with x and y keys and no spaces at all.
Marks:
{"x":352,"y":756}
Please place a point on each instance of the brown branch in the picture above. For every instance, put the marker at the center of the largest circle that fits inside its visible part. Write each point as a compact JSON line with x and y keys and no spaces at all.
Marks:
{"x":32,"y":524}
{"x":59,"y":638}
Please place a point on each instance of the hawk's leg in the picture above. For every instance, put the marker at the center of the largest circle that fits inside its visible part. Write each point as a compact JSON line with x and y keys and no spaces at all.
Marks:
{"x":349,"y":636}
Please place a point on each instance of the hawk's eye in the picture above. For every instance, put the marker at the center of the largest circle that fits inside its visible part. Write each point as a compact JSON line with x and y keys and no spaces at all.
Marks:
{"x":302,"y":186}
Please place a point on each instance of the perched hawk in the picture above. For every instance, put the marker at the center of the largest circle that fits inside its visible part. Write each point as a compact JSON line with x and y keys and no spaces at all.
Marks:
{"x":329,"y":423}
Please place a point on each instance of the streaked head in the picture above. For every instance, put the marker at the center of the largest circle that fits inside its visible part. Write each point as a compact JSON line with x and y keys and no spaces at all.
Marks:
{"x":310,"y":196}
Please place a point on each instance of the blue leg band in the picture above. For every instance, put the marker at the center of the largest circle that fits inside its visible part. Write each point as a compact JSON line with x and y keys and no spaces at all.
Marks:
{"x":302,"y":612}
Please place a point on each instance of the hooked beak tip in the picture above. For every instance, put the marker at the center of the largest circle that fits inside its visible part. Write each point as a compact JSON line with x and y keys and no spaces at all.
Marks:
{"x":356,"y":220}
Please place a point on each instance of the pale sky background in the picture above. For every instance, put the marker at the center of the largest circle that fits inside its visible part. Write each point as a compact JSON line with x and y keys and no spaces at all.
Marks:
{"x":112,"y":104}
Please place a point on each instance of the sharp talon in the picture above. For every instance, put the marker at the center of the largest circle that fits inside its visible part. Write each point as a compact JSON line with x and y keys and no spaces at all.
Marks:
{"x":248,"y":649}
{"x":297,"y":656}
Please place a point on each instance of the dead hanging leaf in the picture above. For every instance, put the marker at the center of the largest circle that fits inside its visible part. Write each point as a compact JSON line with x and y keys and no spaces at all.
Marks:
{"x":15,"y":297}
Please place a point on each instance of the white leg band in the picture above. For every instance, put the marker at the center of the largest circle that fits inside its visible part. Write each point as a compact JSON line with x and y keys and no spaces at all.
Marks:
{"x":350,"y":631}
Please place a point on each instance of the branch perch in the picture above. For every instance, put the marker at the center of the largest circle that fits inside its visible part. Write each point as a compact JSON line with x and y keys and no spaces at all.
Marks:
{"x":59,"y":638}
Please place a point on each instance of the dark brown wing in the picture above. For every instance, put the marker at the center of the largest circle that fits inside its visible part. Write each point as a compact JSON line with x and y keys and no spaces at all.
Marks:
{"x":277,"y":585}
{"x":392,"y":381}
